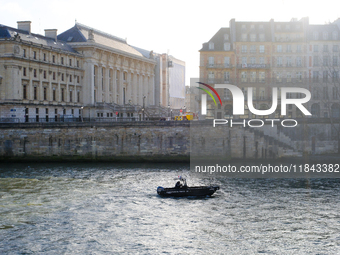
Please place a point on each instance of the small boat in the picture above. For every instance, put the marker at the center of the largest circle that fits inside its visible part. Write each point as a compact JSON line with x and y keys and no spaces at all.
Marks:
{"x":182,"y":190}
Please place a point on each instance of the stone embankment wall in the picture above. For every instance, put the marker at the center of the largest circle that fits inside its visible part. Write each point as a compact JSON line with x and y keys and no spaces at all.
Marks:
{"x":157,"y":141}
{"x":102,"y":141}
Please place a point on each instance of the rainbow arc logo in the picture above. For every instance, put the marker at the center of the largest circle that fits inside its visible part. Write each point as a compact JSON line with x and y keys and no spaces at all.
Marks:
{"x":209,"y":93}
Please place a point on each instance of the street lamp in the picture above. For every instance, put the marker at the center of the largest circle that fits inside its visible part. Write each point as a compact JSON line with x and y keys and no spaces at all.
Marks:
{"x":82,"y":111}
{"x":143,"y":109}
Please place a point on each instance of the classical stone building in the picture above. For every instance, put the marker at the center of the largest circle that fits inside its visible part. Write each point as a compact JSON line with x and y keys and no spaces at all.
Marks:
{"x":117,"y":78}
{"x":80,"y":74}
{"x":270,"y":54}
{"x":41,"y":78}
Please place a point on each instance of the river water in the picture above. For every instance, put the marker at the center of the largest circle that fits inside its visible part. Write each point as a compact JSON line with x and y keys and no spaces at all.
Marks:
{"x":114,"y":209}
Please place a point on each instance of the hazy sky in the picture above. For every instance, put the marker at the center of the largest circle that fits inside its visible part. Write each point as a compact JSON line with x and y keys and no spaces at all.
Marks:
{"x":178,"y":26}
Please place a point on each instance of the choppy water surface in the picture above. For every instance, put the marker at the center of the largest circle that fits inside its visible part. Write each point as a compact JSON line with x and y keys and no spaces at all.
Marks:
{"x":114,"y":209}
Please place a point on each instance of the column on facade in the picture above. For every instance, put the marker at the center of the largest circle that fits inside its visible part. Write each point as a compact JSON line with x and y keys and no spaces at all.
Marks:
{"x":120,"y":87}
{"x":134,"y":89}
{"x":30,"y":88}
{"x":66,"y":97}
{"x":137,"y":89}
{"x":128,"y":90}
{"x":143,"y":88}
{"x":107,"y":85}
{"x":41,"y":90}
{"x":152,"y":89}
{"x":114,"y":85}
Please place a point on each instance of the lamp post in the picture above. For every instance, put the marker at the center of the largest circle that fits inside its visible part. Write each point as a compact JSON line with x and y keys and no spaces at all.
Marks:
{"x":81,"y":116}
{"x":143,"y":109}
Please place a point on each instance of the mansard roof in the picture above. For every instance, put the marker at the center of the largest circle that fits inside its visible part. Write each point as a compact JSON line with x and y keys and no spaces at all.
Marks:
{"x":9,"y":32}
{"x":218,"y":40}
{"x":81,"y":34}
{"x":330,"y":28}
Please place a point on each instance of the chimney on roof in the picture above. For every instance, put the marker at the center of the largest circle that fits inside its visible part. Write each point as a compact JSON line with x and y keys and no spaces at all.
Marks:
{"x":24,"y":25}
{"x":51,"y":33}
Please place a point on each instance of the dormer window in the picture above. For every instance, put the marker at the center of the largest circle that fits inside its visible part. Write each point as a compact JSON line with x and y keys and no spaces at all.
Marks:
{"x":226,"y":37}
{"x":211,"y":46}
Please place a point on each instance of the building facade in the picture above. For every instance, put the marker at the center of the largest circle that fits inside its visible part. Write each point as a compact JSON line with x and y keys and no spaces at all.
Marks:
{"x":80,"y":74}
{"x":263,"y":55}
{"x":41,"y":78}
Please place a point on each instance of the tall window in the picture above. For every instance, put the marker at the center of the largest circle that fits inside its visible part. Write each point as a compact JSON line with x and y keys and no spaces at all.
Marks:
{"x":211,"y":61}
{"x":244,"y":48}
{"x":262,"y":76}
{"x":243,"y":76}
{"x":70,"y":95}
{"x":299,"y":76}
{"x":252,"y":76}
{"x":35,"y":73}
{"x":34,"y":55}
{"x":211,"y":76}
{"x":45,"y":93}
{"x":298,"y":61}
{"x":279,"y":48}
{"x":94,"y":75}
{"x":325,"y":60}
{"x":226,"y":77}
{"x":54,"y":94}
{"x":261,"y":48}
{"x":24,"y":92}
{"x":289,"y":61}
{"x":62,"y":95}
{"x":103,"y":71}
{"x":279,"y":61}
{"x":35,"y":93}
{"x":226,"y":61}
{"x":335,"y":60}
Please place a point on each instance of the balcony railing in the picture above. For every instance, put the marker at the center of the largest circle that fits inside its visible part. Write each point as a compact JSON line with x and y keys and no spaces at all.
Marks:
{"x":276,"y":81}
{"x":219,"y":66}
{"x":253,"y":66}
